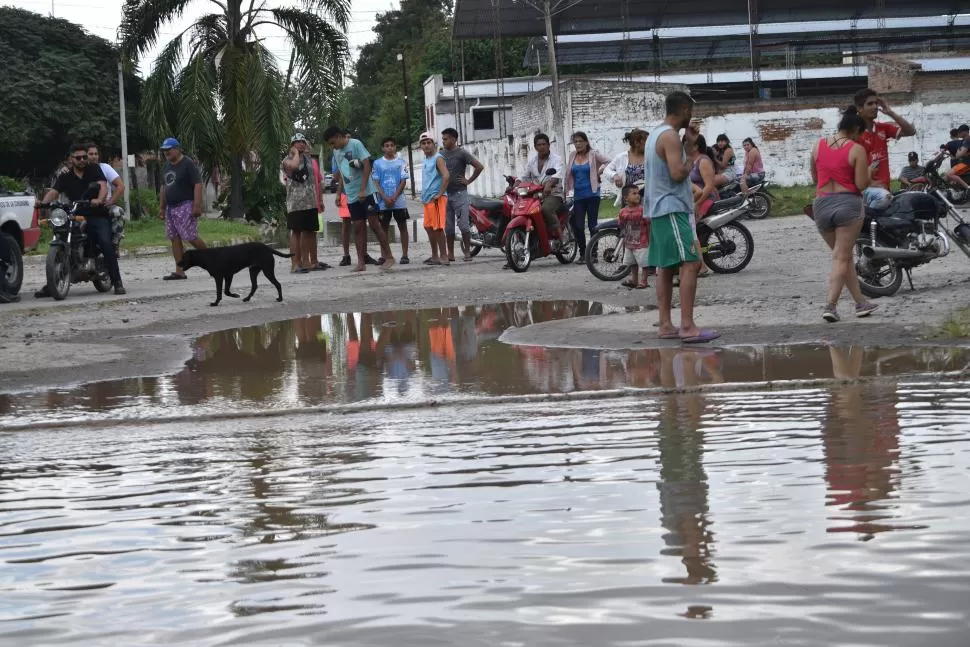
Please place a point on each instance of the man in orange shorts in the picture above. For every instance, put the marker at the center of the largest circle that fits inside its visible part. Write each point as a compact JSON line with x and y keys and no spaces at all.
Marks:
{"x":960,"y":164}
{"x":434,"y":183}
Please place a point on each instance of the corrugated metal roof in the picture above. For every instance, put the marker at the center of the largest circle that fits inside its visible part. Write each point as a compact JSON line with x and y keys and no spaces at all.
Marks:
{"x":480,"y":18}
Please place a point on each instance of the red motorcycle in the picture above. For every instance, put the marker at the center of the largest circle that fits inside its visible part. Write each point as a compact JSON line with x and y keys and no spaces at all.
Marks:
{"x":489,"y":218}
{"x":526,"y":237}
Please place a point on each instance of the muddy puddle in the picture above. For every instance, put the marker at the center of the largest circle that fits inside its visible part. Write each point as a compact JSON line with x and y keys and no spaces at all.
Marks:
{"x":420,"y":355}
{"x":831,"y":514}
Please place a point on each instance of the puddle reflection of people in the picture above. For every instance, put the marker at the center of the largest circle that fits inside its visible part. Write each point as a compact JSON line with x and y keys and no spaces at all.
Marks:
{"x":401,"y":352}
{"x":441,"y":348}
{"x":683,"y":488}
{"x":860,"y":436}
{"x":688,"y":368}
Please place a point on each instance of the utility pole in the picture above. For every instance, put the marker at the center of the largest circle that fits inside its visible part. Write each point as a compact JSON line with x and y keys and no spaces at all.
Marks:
{"x":124,"y":140}
{"x":554,"y":73}
{"x":407,"y":119}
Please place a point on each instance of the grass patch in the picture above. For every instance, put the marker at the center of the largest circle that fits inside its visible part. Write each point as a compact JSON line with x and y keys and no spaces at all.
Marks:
{"x":144,"y":233}
{"x":789,"y":201}
{"x":957,"y":325}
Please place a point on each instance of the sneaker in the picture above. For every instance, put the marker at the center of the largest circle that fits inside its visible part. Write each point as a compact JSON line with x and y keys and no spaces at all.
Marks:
{"x":405,"y":260}
{"x":120,"y":288}
{"x":345,"y":261}
{"x":369,"y":260}
{"x":830,"y":314}
{"x":865,"y":309}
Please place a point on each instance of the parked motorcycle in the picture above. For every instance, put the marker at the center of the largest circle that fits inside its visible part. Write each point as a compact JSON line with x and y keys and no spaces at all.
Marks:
{"x":489,"y":218}
{"x":726,"y":244}
{"x":760,"y":198}
{"x":72,"y":257}
{"x":911,"y":231}
{"x":526,"y":238}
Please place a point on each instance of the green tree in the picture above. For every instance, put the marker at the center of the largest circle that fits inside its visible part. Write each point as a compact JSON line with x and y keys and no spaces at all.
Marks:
{"x":60,"y":84}
{"x":217,"y":87}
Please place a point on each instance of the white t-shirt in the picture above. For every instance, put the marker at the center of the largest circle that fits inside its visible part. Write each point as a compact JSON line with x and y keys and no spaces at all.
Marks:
{"x":110,"y":175}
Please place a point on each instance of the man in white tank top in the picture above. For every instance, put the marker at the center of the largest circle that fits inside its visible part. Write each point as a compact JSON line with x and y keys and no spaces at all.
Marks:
{"x":671,"y":204}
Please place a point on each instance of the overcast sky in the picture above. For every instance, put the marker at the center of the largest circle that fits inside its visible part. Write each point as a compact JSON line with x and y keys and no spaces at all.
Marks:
{"x":101,"y":18}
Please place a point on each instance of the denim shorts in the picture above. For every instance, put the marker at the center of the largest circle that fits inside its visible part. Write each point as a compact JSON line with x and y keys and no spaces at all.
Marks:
{"x":835,"y":210}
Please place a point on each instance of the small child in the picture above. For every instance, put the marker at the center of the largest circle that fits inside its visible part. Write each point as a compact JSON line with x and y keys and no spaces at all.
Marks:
{"x":636,"y":237}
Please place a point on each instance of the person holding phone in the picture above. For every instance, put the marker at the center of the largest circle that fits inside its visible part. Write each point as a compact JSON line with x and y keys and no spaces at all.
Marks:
{"x":875,"y":141}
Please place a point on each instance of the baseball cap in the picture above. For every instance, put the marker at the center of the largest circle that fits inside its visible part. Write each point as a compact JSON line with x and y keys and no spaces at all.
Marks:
{"x":170,"y":142}
{"x":913,"y":156}
{"x":426,"y":136}
{"x":299,"y":137}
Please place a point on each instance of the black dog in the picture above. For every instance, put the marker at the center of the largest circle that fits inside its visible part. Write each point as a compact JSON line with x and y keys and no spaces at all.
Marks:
{"x":223,"y":262}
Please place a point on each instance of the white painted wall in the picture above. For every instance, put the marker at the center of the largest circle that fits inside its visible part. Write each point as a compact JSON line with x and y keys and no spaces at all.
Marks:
{"x":786,"y":157}
{"x":786,"y":160}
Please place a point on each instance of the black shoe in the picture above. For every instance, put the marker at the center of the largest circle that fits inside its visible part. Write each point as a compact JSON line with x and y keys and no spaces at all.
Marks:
{"x":345,"y":261}
{"x":120,"y":288}
{"x":368,"y":260}
{"x":42,"y":293}
{"x":405,"y":260}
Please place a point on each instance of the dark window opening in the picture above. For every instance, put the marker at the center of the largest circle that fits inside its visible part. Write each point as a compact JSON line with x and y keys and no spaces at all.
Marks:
{"x":483,"y":119}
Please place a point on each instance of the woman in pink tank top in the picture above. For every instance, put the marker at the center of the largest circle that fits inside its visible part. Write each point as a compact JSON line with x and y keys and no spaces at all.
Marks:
{"x":840,"y":171}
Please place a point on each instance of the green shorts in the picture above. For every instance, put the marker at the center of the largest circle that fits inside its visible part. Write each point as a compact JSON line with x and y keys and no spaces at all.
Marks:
{"x":671,"y":241}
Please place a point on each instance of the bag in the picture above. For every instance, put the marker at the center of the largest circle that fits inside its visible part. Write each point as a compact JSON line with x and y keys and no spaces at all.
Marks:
{"x":914,"y":205}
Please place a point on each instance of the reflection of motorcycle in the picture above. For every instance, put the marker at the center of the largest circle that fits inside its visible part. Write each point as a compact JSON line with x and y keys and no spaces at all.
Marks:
{"x":909,"y":232}
{"x":526,"y":237}
{"x":72,"y":257}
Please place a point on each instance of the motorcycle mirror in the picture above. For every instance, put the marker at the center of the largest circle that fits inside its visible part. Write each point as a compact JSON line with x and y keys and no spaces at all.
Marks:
{"x":550,"y":171}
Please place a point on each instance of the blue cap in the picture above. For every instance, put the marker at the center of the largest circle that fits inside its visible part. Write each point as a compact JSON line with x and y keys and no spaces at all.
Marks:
{"x":170,"y":142}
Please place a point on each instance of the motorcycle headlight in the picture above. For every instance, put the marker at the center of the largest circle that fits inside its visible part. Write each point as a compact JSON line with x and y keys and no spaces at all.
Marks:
{"x":523,"y":191}
{"x":58,"y":217}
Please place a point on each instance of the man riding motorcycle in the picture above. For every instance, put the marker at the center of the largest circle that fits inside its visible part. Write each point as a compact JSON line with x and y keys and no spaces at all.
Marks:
{"x":73,"y":185}
{"x":553,"y":196}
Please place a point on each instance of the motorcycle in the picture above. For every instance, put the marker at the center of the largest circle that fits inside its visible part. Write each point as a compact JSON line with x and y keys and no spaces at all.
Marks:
{"x":72,"y":257}
{"x":489,"y":218}
{"x":761,"y":197}
{"x":911,"y":231}
{"x":726,"y":244}
{"x":526,"y":238}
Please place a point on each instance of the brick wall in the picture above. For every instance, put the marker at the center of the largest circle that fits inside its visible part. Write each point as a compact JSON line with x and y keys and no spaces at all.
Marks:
{"x":888,"y":75}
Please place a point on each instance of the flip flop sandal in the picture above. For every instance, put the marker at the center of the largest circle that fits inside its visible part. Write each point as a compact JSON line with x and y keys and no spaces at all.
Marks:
{"x":704,"y":337}
{"x":704,"y":274}
{"x":174,"y":276}
{"x":359,"y":269}
{"x":641,"y":286}
{"x":675,"y":334}
{"x":319,"y":267}
{"x":630,"y":285}
{"x":431,"y":261}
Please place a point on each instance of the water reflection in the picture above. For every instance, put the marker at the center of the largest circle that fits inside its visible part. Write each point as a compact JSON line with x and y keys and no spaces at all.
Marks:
{"x":407,"y":356}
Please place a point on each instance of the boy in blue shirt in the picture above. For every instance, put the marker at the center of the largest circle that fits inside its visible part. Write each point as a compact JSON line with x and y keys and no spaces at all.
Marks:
{"x":391,"y":176}
{"x":354,"y":164}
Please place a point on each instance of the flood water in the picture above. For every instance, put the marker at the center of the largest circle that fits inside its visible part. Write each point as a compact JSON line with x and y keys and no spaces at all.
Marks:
{"x":836,"y":515}
{"x":439,"y":353}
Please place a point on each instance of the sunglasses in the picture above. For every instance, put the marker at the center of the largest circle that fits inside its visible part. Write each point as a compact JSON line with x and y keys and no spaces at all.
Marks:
{"x":80,"y":157}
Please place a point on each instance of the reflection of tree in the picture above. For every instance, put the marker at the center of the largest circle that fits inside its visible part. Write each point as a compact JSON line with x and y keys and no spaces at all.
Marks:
{"x":861,"y":443}
{"x":683,"y":488}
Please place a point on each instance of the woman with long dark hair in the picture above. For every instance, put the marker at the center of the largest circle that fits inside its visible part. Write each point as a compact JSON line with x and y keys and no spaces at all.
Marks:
{"x":841,"y":172}
{"x":754,"y":166}
{"x":583,"y":177}
{"x":724,"y":160}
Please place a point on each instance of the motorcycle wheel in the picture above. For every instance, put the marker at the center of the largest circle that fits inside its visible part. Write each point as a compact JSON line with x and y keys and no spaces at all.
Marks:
{"x":727,"y":250}
{"x":568,"y":249}
{"x":606,"y":246}
{"x":517,"y":251}
{"x":13,"y":275}
{"x":475,"y":250}
{"x":58,"y":273}
{"x":877,"y":278}
{"x":101,"y":282}
{"x":760,"y":206}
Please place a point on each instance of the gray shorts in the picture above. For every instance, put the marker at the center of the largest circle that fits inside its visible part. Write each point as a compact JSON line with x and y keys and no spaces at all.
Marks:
{"x":458,"y":210}
{"x":837,"y":210}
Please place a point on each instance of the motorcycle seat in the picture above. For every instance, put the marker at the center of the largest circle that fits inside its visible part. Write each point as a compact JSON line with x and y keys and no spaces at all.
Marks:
{"x":727,"y":203}
{"x":607,"y":224}
{"x":486,"y":204}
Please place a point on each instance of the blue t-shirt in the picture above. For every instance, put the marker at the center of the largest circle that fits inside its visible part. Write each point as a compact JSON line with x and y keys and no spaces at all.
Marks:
{"x":352,"y":177}
{"x":388,"y":174}
{"x":432,"y":178}
{"x":582,"y":187}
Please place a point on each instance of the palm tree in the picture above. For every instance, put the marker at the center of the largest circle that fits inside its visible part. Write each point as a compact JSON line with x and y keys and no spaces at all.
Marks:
{"x":219,"y":88}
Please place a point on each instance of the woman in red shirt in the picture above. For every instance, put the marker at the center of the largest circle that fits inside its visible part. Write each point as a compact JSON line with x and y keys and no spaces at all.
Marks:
{"x":841,"y":172}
